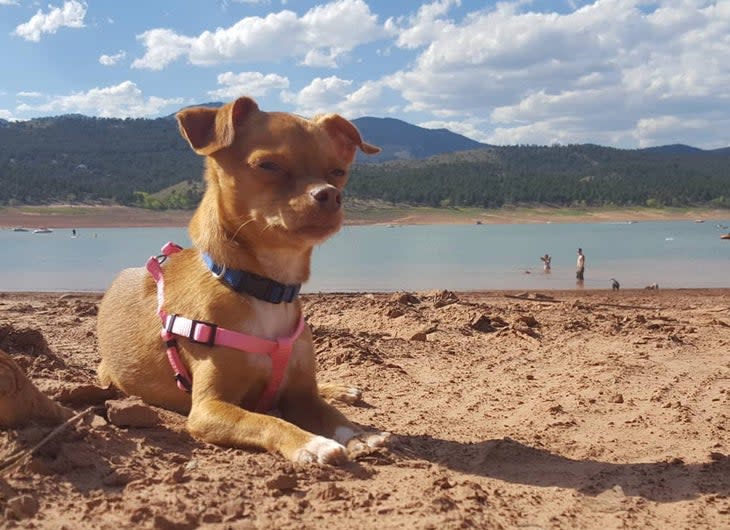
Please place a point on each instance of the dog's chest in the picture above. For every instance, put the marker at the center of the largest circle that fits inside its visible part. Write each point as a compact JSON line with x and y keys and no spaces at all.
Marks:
{"x":270,"y":321}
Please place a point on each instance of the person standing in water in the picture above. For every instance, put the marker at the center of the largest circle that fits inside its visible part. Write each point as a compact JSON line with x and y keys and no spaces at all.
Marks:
{"x":546,"y":259}
{"x":580,"y":265}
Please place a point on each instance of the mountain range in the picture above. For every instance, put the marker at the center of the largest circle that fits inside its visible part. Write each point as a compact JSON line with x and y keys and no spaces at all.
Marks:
{"x":74,"y":158}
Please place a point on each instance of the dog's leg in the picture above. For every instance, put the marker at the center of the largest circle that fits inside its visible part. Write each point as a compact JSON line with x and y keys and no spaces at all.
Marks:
{"x":337,"y":392}
{"x":314,"y":414}
{"x":218,"y":422}
{"x":216,"y":418}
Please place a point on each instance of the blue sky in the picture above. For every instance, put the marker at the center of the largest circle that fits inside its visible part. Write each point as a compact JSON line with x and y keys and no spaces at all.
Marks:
{"x":624,"y":73}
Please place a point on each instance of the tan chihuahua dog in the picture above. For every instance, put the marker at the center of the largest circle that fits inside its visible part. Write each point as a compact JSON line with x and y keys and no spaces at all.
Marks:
{"x":274,"y":184}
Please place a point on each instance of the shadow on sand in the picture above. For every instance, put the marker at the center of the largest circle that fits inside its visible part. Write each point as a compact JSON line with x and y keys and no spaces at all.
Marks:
{"x":512,"y":461}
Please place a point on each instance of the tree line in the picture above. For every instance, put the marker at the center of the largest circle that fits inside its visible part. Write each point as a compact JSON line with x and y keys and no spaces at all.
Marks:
{"x":143,"y":162}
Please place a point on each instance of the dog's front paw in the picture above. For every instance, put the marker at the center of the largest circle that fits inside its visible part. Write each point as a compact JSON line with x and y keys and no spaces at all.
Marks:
{"x":321,"y":450}
{"x":366,"y":441}
{"x":359,"y":441}
{"x":342,"y":393}
{"x":375,"y":439}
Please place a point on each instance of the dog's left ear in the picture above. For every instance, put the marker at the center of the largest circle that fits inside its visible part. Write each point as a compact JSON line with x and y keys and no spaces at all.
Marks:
{"x":345,"y":136}
{"x":208,"y":130}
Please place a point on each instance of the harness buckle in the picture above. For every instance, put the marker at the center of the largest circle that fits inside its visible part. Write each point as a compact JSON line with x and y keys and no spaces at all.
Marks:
{"x":211,"y":336}
{"x":183,"y":383}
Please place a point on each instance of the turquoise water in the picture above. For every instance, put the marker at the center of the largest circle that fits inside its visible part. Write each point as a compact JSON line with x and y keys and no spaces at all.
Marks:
{"x":381,"y":258}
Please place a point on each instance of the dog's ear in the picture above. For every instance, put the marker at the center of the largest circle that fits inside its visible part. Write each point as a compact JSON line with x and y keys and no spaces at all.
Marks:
{"x":346,"y":136}
{"x":207,"y":129}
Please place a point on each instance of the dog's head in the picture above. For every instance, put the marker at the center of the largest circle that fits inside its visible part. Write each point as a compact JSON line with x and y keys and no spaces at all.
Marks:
{"x":275,"y":179}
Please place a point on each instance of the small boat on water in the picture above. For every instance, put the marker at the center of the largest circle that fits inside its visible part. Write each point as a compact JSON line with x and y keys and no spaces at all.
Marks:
{"x":42,"y":230}
{"x":725,"y":236}
{"x":20,"y":229}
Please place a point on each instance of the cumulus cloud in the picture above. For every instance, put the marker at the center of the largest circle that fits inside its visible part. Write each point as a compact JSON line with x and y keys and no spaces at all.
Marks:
{"x":5,"y":114}
{"x":423,"y":27}
{"x":611,"y":71}
{"x":70,"y":15}
{"x":111,"y":60}
{"x":320,"y":37}
{"x":253,"y":84}
{"x":119,"y":101}
{"x":163,"y":47}
{"x":333,"y":94}
{"x":322,"y":92}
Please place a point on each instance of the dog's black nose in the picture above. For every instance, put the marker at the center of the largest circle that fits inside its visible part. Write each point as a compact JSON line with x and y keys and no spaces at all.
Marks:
{"x":327,"y":196}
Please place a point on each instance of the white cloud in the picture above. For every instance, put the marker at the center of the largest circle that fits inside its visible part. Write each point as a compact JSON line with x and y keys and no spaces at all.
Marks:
{"x":333,"y":94}
{"x":319,"y":59}
{"x":320,"y":37}
{"x":321,"y":93}
{"x":163,"y":47}
{"x":8,"y":3}
{"x":29,"y":94}
{"x":425,"y":26}
{"x":253,"y":84}
{"x":5,"y":114}
{"x":118,"y":101}
{"x":601,"y":73}
{"x":70,"y":15}
{"x":111,"y":60}
{"x":661,"y":130}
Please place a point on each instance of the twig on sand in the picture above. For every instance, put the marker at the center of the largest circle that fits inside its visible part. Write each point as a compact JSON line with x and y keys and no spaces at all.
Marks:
{"x":536,"y":298}
{"x":18,"y":458}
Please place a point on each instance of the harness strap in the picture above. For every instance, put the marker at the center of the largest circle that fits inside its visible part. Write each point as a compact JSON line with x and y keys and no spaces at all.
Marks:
{"x":210,"y":334}
{"x":154,"y":267}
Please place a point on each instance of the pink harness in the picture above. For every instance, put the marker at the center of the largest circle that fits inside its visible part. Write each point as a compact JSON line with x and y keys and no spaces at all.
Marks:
{"x":201,"y":332}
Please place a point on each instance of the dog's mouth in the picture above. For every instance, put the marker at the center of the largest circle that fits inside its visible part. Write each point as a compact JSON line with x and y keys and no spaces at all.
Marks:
{"x":319,"y":230}
{"x":306,"y":226}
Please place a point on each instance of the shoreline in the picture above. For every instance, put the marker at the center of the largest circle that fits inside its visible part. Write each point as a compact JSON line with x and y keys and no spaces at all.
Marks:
{"x":533,"y":295}
{"x":71,"y":216}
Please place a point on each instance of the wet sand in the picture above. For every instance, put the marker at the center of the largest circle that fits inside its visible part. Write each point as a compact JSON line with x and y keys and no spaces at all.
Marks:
{"x":65,"y":216}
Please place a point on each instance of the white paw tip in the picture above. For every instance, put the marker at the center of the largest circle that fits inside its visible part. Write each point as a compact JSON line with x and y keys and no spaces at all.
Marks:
{"x":321,"y":450}
{"x":376,"y":439}
{"x":353,"y":393}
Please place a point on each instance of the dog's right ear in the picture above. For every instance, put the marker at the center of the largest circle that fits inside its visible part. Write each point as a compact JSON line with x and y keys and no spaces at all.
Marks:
{"x":208,"y":130}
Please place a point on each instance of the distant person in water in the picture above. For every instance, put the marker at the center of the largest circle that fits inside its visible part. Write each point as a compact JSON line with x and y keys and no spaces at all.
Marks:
{"x":73,"y":232}
{"x":546,"y":259}
{"x":580,"y":265}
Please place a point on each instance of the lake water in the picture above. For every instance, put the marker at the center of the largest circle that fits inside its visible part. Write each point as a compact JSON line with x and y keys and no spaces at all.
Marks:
{"x":382,"y":258}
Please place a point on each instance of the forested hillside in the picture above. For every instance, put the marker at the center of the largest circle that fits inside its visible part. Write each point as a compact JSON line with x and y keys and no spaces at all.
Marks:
{"x":76,"y":158}
{"x":561,"y":175}
{"x":81,"y":159}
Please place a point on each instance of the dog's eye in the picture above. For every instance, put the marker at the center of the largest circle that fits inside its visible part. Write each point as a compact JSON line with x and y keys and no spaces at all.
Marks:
{"x":337,"y":172}
{"x":269,"y":166}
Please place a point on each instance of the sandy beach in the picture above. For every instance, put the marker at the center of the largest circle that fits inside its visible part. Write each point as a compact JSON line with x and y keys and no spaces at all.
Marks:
{"x":559,"y":410}
{"x":75,"y":216}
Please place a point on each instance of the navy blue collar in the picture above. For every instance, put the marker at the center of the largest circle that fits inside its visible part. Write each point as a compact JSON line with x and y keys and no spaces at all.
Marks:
{"x":257,"y":286}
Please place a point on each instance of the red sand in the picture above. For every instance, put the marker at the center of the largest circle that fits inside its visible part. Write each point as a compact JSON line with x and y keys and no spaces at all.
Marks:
{"x":590,"y":410}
